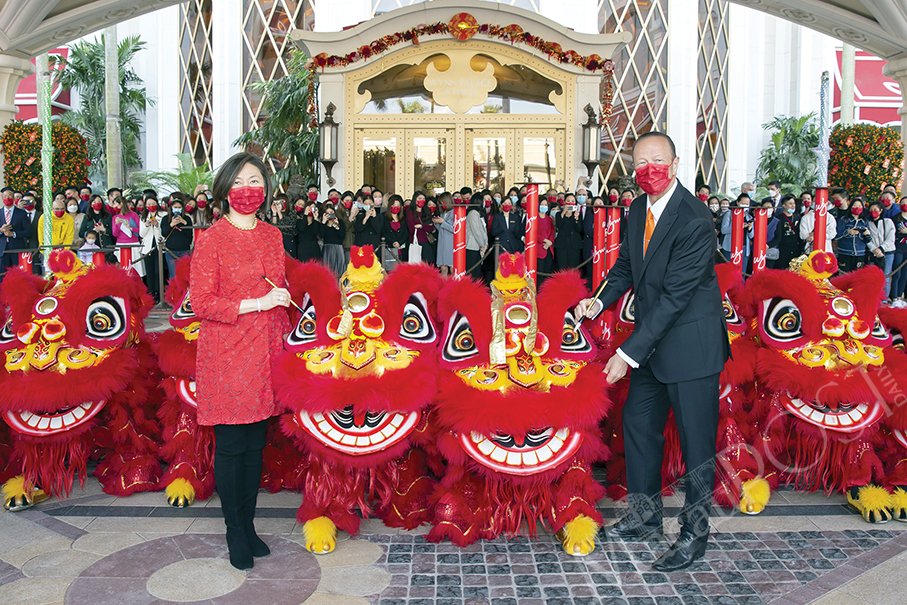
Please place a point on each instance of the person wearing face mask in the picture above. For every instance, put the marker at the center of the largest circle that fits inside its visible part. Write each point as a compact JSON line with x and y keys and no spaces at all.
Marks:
{"x":243,"y":321}
{"x":377,"y":199}
{"x":125,"y":230}
{"x":395,"y":232}
{"x":743,"y":201}
{"x":582,"y":199}
{"x":880,"y":249}
{"x":84,"y":199}
{"x":150,"y":233}
{"x":852,"y":237}
{"x":308,"y":229}
{"x":899,"y":279}
{"x":805,"y":202}
{"x":476,"y":232}
{"x":445,"y":226}
{"x":772,"y":223}
{"x":677,"y":350}
{"x":344,"y":209}
{"x":889,"y":208}
{"x":841,"y":202}
{"x":787,"y":234}
{"x":808,"y":226}
{"x":312,"y":193}
{"x":508,"y":226}
{"x":13,"y":231}
{"x":544,"y":244}
{"x":284,"y":218}
{"x":369,"y":223}
{"x":515,"y":197}
{"x":177,"y":240}
{"x":332,"y":231}
{"x":426,"y":228}
{"x":100,"y":221}
{"x":774,"y":194}
{"x":568,"y":243}
{"x":589,"y":232}
{"x":87,"y":249}
{"x":61,"y":226}
{"x":703,"y":193}
{"x":72,"y":208}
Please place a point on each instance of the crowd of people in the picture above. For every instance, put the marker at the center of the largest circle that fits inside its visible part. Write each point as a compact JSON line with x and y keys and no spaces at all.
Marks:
{"x":420,"y":227}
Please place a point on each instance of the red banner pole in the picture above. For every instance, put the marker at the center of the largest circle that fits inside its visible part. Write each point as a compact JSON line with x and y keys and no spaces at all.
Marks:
{"x":737,"y":238}
{"x":459,"y":242}
{"x":532,"y":229}
{"x":760,"y":233}
{"x":599,"y":247}
{"x":125,"y":258}
{"x":613,"y":238}
{"x":25,"y":261}
{"x":821,"y":214}
{"x":98,"y":259}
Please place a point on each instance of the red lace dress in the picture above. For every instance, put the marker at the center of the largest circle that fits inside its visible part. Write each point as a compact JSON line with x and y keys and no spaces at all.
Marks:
{"x":236,"y":352}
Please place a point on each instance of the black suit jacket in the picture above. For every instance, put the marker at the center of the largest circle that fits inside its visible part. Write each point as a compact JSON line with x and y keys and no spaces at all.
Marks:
{"x":20,"y":224}
{"x":33,"y":241}
{"x":680,"y":330}
{"x":511,"y":238}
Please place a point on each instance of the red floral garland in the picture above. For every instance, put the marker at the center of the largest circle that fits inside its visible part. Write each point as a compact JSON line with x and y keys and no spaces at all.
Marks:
{"x":511,"y":33}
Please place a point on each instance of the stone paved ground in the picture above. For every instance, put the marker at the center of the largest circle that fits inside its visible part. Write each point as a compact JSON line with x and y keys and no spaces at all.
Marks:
{"x":97,"y":549}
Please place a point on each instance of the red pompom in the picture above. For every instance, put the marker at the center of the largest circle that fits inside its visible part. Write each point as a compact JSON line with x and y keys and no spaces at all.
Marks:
{"x":62,"y":261}
{"x":362,"y":257}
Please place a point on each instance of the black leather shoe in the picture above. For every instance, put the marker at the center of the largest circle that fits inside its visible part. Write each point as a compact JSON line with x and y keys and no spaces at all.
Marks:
{"x":629,"y":529}
{"x":682,"y":553}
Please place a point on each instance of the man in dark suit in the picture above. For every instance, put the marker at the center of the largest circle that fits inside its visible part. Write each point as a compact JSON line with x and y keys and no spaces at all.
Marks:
{"x":677,"y":349}
{"x":33,"y":212}
{"x":13,"y":231}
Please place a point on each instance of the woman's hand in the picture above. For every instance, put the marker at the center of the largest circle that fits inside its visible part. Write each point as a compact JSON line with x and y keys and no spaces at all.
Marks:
{"x":277,"y":297}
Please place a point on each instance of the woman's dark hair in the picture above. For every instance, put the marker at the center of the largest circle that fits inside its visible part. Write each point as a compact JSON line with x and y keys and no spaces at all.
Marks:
{"x":389,"y":214}
{"x":325,"y":206}
{"x":223,"y":180}
{"x":477,"y":201}
{"x":513,"y":190}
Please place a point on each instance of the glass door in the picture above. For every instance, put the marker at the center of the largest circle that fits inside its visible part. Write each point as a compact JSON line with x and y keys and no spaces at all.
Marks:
{"x":376,"y":160}
{"x":427,"y":152}
{"x":489,"y":154}
{"x":541,"y":154}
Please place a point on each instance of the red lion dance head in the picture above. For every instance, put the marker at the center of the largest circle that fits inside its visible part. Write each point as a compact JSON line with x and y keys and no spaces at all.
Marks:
{"x":358,"y":376}
{"x":78,"y":375}
{"x":518,"y":409}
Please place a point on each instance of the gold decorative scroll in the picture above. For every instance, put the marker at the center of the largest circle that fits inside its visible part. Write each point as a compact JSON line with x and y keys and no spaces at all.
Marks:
{"x":460,"y":88}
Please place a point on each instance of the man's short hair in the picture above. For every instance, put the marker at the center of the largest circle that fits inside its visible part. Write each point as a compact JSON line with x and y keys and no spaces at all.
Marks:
{"x":706,"y":187}
{"x":653,"y":134}
{"x":113,"y":190}
{"x":775,"y":184}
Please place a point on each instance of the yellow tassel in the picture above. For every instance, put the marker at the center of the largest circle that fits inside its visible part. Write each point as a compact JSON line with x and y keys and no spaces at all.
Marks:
{"x":578,"y":536}
{"x":873,"y":502}
{"x":754,"y":495}
{"x":180,"y":493}
{"x":320,"y":535}
{"x":14,"y":487}
{"x":899,"y":504}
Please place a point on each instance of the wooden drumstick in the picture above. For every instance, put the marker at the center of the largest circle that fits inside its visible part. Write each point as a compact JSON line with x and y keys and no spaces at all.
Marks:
{"x":595,"y":296}
{"x":265,"y":277}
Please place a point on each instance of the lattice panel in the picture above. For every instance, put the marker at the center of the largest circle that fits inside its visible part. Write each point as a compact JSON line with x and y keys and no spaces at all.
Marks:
{"x":195,"y":79}
{"x":712,"y":89}
{"x":640,"y":80}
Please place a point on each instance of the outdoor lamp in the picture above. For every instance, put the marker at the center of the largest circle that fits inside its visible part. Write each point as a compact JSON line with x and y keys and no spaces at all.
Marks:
{"x":592,"y":151}
{"x":327,"y":133}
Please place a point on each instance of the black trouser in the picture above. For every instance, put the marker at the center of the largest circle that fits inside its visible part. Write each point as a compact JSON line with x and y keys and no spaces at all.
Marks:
{"x":847,"y":262}
{"x":695,"y":405}
{"x":151,"y":274}
{"x":237,"y":471}
{"x":472,"y":257}
{"x":568,"y":258}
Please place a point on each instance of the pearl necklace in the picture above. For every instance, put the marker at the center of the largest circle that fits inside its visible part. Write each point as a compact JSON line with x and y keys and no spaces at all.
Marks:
{"x":254,"y":224}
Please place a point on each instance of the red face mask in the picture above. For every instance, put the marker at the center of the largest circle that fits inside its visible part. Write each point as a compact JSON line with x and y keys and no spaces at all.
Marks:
{"x":837,"y":203}
{"x":29,"y":206}
{"x":152,"y":207}
{"x":507,"y":207}
{"x":202,"y":203}
{"x":348,"y":204}
{"x":96,"y":206}
{"x":334,"y":198}
{"x":627,"y":201}
{"x":653,"y":178}
{"x":703,"y":196}
{"x":395,"y":208}
{"x":299,"y":207}
{"x":875,"y":213}
{"x":432,"y":208}
{"x":612,"y":198}
{"x":903,"y":207}
{"x":313,"y":195}
{"x":190,"y":209}
{"x":444,"y":205}
{"x":113,"y":210}
{"x":552,"y":199}
{"x":85,"y":197}
{"x":8,"y":202}
{"x":806,"y":204}
{"x":488,"y":203}
{"x":246,"y":200}
{"x":420,"y":203}
{"x":59,"y":213}
{"x":856,"y":211}
{"x":886,"y":202}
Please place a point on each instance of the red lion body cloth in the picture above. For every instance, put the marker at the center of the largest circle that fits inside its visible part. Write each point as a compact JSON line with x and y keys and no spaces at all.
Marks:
{"x":358,"y":376}
{"x":79,"y":380}
{"x":518,"y":411}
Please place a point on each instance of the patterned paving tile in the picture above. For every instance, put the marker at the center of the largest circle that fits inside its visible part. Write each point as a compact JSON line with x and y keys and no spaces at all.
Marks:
{"x":739,"y":568}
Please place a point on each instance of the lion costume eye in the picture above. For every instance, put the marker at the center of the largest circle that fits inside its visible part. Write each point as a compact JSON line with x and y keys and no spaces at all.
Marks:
{"x":7,"y":334}
{"x":461,"y":343}
{"x":572,"y":338}
{"x":416,"y":325}
{"x":879,"y":331}
{"x":306,"y":326}
{"x":730,"y":312}
{"x":105,"y":319}
{"x":628,"y":308}
{"x":184,"y":311}
{"x":782,"y":320}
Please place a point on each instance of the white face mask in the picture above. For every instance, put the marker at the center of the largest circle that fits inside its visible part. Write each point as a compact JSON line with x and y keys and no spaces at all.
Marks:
{"x":73,"y":208}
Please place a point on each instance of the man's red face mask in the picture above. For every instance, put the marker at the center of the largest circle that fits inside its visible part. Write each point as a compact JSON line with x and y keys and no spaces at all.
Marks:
{"x":653,"y":178}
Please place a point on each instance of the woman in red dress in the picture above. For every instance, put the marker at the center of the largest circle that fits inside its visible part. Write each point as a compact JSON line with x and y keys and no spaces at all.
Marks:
{"x":242,"y":326}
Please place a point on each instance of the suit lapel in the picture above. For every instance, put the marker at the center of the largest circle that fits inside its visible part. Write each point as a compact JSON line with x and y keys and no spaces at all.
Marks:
{"x":636,"y":226}
{"x":665,"y":222}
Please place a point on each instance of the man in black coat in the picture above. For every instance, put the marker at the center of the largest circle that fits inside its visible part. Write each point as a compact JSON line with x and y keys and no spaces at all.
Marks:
{"x":510,"y":228}
{"x":13,"y":231}
{"x":33,"y":210}
{"x":677,"y":350}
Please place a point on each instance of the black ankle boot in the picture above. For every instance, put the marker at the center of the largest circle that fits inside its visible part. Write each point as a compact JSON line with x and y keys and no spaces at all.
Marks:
{"x":240,"y":553}
{"x":256,"y":545}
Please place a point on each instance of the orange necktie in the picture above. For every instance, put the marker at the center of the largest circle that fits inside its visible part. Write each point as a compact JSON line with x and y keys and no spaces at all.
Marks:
{"x":650,"y":227}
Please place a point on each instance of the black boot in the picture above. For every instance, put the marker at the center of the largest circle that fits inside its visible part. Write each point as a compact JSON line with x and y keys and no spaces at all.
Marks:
{"x":251,"y":483}
{"x":228,"y":471}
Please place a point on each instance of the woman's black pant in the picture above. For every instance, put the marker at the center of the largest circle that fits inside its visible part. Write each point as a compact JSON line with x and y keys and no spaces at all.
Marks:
{"x":237,"y":471}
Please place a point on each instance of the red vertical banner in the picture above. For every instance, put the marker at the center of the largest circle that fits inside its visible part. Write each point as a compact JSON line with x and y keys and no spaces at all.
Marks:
{"x":613,"y":238}
{"x":599,"y":247}
{"x":98,"y":259}
{"x":531,"y":206}
{"x":760,"y":245}
{"x":125,"y":259}
{"x":459,"y":241}
{"x":25,"y":261}
{"x":821,"y":212}
{"x":737,"y":238}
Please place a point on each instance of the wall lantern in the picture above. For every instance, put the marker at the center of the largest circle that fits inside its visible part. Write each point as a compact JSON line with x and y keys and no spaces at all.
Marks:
{"x":327,"y":132}
{"x":592,"y":150}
